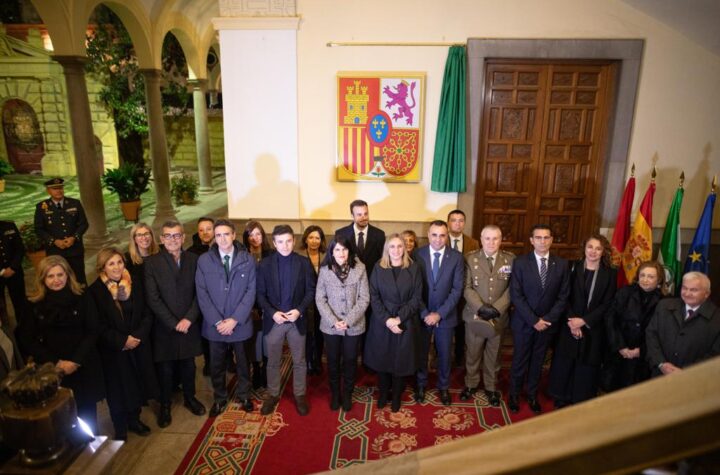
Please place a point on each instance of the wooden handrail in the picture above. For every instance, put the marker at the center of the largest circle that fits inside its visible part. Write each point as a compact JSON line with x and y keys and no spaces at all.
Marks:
{"x":659,"y":421}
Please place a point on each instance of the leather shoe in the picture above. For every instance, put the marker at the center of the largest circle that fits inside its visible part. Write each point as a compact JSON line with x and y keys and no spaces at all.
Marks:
{"x":513,"y":403}
{"x":445,"y":397}
{"x":164,"y":417}
{"x":217,"y":408}
{"x":493,"y":398}
{"x":420,"y":395}
{"x":247,"y":404}
{"x":301,"y":405}
{"x":137,"y":427}
{"x":534,"y":405}
{"x":269,"y":405}
{"x":195,"y":406}
{"x":467,"y":393}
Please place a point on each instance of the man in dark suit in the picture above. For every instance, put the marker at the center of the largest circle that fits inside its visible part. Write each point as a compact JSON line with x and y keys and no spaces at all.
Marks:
{"x":170,"y":290}
{"x":539,"y":290}
{"x":60,"y":223}
{"x":367,"y":239}
{"x":464,"y":244}
{"x":285,"y":289}
{"x":11,"y":271}
{"x":443,"y":275}
{"x":684,"y":331}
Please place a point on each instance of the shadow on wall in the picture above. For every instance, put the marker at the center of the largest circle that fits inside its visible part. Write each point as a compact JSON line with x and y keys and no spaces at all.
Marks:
{"x":271,"y":197}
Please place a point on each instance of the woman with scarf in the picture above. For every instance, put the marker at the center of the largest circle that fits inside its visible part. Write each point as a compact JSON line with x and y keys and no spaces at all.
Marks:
{"x":575,"y":371}
{"x":342,"y":295}
{"x":124,"y":343}
{"x":62,"y":328}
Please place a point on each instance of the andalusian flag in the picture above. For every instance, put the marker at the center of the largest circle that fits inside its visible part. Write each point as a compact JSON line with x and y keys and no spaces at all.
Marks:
{"x":622,"y":227}
{"x":639,"y":247}
{"x":669,"y":255}
{"x":698,"y":258}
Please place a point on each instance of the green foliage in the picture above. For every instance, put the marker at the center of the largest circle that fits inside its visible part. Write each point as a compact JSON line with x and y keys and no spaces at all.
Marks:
{"x":184,"y":188}
{"x":129,"y":181}
{"x":30,"y":238}
{"x":5,"y":169}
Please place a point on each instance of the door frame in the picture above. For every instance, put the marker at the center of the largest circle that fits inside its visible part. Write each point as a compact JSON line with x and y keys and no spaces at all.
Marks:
{"x":627,"y":52}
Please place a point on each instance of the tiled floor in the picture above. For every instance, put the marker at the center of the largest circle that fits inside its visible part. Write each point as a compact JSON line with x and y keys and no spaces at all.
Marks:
{"x":161,"y":452}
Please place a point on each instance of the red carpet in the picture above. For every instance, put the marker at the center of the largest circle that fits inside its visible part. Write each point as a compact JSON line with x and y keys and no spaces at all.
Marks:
{"x":284,"y":442}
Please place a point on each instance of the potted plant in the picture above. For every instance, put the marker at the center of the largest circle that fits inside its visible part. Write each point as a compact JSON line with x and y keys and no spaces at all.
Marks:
{"x":33,"y":246}
{"x":184,"y":188}
{"x":5,"y":169}
{"x":129,"y":181}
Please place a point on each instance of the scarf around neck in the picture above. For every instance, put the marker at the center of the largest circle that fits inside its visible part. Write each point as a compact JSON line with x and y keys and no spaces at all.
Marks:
{"x":119,"y":290}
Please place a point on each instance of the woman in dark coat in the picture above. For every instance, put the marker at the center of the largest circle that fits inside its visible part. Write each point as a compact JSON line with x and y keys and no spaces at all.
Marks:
{"x":63,"y":329}
{"x":392,"y":341}
{"x":575,"y":371}
{"x":632,"y":309}
{"x":142,"y":245}
{"x":258,"y":245}
{"x":314,"y":245}
{"x":124,"y":343}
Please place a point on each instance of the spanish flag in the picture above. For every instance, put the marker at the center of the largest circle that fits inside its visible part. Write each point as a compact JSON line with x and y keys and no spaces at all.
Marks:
{"x":622,"y":227}
{"x":639,"y":246}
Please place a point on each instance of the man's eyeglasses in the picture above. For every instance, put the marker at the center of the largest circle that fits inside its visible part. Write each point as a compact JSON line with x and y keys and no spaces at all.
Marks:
{"x":172,"y":236}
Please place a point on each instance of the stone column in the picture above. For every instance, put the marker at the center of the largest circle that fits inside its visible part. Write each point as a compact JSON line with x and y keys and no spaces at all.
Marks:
{"x":158,"y":148}
{"x":83,"y":137}
{"x":202,"y":141}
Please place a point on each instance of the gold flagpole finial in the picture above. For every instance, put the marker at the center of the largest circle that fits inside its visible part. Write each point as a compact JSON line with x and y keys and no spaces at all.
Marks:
{"x":654,"y":174}
{"x":632,"y":171}
{"x":682,"y":178}
{"x":713,"y":186}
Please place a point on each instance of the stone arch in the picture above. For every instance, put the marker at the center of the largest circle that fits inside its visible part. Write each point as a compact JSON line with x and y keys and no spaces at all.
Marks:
{"x":22,"y":135}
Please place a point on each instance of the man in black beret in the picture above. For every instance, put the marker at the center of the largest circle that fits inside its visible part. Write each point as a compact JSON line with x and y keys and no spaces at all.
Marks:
{"x":60,"y":223}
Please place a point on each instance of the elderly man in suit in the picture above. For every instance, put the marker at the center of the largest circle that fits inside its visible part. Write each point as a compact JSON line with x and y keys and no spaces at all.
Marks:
{"x":443,"y":272}
{"x":170,"y":290}
{"x":487,"y":299}
{"x":60,"y":223}
{"x":464,"y":244}
{"x":225,"y":283}
{"x":285,"y":288}
{"x":539,"y":291}
{"x":684,"y":331}
{"x":366,"y":238}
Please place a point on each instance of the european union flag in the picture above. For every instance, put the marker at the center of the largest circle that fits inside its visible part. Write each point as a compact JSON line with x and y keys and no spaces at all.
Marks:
{"x":698,"y":258}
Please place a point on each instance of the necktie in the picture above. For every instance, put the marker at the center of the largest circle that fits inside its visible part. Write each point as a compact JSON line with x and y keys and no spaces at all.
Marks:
{"x":543,"y":271}
{"x":490,"y":263}
{"x":436,"y":266}
{"x":690,"y":314}
{"x":59,"y":205}
{"x":455,"y":244}
{"x":361,"y":243}
{"x":226,"y":265}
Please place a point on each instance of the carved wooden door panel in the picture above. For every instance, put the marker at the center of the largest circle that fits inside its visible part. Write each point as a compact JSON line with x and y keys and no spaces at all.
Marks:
{"x":542,"y":148}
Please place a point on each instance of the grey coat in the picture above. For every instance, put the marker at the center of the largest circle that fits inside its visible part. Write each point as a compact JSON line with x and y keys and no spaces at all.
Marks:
{"x":338,"y":300}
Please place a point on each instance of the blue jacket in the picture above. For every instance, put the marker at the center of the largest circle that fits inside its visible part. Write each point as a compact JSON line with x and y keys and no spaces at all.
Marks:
{"x":443,"y":295}
{"x":220,"y":298}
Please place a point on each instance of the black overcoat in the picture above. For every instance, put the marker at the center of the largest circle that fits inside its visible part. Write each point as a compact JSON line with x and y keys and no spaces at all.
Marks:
{"x":129,"y":375}
{"x":170,"y":294}
{"x":384,"y":350}
{"x":66,"y":331}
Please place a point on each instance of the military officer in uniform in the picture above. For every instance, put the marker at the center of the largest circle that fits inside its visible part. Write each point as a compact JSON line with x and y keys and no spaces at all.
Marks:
{"x":60,"y":223}
{"x":12,"y":251}
{"x":487,"y":298}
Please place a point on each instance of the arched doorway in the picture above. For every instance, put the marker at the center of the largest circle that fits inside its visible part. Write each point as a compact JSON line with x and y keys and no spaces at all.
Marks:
{"x":23,"y":138}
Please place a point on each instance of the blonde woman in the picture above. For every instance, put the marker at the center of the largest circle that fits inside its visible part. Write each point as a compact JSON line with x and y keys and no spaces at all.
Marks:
{"x":124,"y":342}
{"x":62,"y":328}
{"x":392,"y":343}
{"x":142,"y":245}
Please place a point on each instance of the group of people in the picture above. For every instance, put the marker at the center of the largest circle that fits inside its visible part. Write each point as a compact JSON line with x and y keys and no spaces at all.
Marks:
{"x":134,"y":333}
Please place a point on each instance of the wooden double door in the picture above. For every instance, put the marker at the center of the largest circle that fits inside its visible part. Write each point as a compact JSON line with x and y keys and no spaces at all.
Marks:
{"x":542,"y":150}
